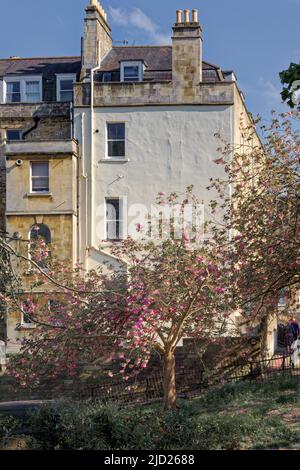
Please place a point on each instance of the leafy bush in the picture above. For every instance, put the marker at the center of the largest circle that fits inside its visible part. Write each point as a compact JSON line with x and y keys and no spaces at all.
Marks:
{"x":62,"y":426}
{"x":95,"y":426}
{"x":235,"y":416}
{"x":8,"y":426}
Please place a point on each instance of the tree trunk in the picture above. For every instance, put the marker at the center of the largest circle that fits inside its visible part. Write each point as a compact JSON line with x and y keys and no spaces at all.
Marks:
{"x":169,"y":381}
{"x":264,"y":335}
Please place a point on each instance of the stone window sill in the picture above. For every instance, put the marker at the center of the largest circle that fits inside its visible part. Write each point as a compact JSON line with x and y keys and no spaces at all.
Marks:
{"x":114,"y":160}
{"x":39,"y":194}
{"x":25,"y":326}
{"x":33,"y":271}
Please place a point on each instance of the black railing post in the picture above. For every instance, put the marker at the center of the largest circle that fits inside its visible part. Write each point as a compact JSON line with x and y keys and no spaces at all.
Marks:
{"x":283,"y":364}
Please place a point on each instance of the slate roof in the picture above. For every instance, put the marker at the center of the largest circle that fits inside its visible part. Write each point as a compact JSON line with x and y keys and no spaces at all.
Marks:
{"x":157,"y":59}
{"x":45,"y":66}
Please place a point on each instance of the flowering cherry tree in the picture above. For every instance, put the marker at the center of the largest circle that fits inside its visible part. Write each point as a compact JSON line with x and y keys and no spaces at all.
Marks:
{"x":261,"y":214}
{"x":183,"y":283}
{"x":167,"y":289}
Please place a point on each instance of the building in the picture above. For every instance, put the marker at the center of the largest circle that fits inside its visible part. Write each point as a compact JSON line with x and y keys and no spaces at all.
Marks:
{"x":145,"y":118}
{"x":39,"y":160}
{"x":88,"y":142}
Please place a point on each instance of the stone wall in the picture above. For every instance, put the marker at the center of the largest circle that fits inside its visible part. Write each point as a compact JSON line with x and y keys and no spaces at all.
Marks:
{"x":2,"y":193}
{"x":53,"y":120}
{"x":97,"y":39}
{"x":156,"y":93}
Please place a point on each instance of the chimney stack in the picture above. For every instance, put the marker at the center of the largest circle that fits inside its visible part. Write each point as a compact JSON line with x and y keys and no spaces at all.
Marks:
{"x":187,"y":50}
{"x":179,"y":16}
{"x":186,"y":16}
{"x":195,"y":16}
{"x":97,"y":36}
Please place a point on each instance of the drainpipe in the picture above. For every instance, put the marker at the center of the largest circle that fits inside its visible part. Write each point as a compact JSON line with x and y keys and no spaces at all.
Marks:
{"x":82,"y":173}
{"x":71,"y":120}
{"x":90,"y":238}
{"x":36,"y":123}
{"x":91,"y":208}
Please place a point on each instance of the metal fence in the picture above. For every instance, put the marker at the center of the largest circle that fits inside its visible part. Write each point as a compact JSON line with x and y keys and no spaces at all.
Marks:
{"x":145,"y":389}
{"x":191,"y":382}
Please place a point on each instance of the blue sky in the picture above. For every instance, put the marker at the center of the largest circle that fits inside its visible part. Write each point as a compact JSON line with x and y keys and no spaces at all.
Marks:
{"x":256,"y":38}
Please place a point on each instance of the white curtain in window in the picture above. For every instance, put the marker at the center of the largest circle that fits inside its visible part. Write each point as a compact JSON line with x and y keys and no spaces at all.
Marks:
{"x":33,"y":91}
{"x":40,"y":176}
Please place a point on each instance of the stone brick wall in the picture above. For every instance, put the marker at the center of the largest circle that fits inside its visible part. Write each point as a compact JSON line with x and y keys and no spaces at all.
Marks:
{"x":54,"y":120}
{"x":97,"y":38}
{"x":156,"y":93}
{"x":2,"y":193}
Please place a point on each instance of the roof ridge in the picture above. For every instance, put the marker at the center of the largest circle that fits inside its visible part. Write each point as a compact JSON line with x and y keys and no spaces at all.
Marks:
{"x":127,"y":47}
{"x":40,"y":58}
{"x":211,"y":64}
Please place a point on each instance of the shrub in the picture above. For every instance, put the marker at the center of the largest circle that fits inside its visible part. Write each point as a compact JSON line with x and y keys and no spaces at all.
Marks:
{"x":62,"y":425}
{"x":198,"y":424}
{"x":96,"y":426}
{"x":8,"y":426}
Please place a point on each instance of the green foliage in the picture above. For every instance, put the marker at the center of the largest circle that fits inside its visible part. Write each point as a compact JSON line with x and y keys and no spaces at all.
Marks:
{"x":63,"y":426}
{"x":94,"y":427}
{"x":288,"y":77}
{"x":241,"y":432}
{"x":8,"y":426}
{"x":236,"y":416}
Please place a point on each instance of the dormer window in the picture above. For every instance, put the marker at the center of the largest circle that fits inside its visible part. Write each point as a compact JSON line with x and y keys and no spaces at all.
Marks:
{"x":132,"y":71}
{"x":64,"y":86}
{"x":23,"y":89}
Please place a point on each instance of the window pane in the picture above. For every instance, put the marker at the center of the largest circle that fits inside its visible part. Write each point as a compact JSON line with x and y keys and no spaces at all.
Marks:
{"x":32,"y":91}
{"x":113,"y":219}
{"x":112,"y":228}
{"x":13,"y":134}
{"x":38,"y":253}
{"x":40,"y":231}
{"x":66,"y":85}
{"x":131,"y":73}
{"x":66,"y":96}
{"x":116,"y":148}
{"x":13,"y":92}
{"x":40,"y":184}
{"x":14,"y":98}
{"x":40,"y":176}
{"x":113,"y":209}
{"x":40,"y":169}
{"x":13,"y":87}
{"x":26,"y":314}
{"x":116,"y":131}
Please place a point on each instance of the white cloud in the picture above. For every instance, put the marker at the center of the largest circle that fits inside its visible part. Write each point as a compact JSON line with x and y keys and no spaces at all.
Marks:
{"x":136,"y":18}
{"x":270,"y":92}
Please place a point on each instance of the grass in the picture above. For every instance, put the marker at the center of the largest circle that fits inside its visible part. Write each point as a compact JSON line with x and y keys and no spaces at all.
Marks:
{"x":259,"y":415}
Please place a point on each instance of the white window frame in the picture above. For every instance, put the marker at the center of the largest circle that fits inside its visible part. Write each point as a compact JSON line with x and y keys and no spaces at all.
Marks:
{"x":117,"y":158}
{"x":22,"y":80}
{"x":32,"y":191}
{"x":137,"y":63}
{"x":122,"y":218}
{"x":59,"y":78}
{"x":24,"y":324}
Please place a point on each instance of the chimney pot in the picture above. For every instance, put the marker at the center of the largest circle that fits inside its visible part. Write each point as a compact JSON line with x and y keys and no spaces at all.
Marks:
{"x":195,"y":16}
{"x":179,"y":16}
{"x":186,"y":16}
